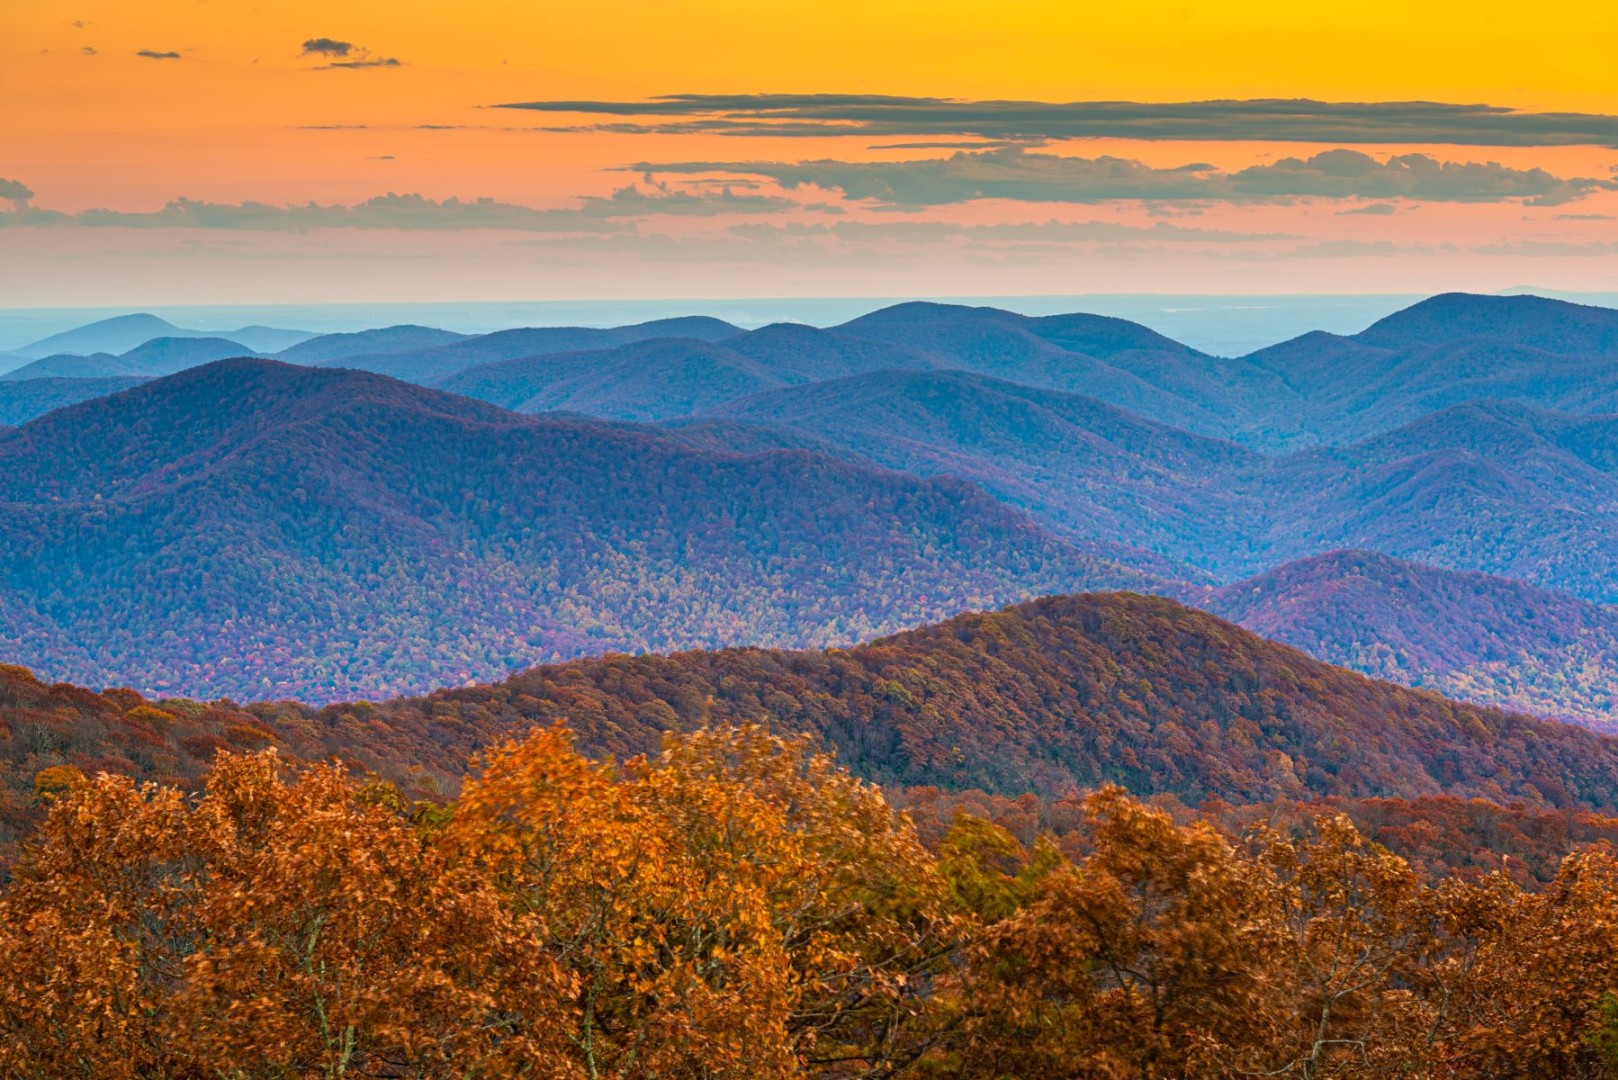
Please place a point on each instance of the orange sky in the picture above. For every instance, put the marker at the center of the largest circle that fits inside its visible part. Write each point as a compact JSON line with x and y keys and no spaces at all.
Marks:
{"x":241,"y":114}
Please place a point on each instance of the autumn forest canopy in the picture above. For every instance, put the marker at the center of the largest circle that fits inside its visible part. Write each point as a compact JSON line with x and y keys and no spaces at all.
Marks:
{"x":738,"y":906}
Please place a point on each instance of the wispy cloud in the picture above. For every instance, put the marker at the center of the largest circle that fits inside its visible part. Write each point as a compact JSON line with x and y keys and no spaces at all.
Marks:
{"x":368,"y":62}
{"x":634,"y":202}
{"x":592,"y":214}
{"x":1018,"y":174}
{"x":1272,"y":120}
{"x":1549,"y":249}
{"x":153,"y":54}
{"x":1043,"y":232}
{"x":414,"y":212}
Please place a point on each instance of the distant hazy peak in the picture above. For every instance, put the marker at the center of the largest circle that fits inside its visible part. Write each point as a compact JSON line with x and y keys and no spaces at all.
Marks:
{"x":115,"y":335}
{"x":1535,"y":321}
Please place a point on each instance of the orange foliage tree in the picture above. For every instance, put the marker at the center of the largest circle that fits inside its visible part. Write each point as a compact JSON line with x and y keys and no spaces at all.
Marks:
{"x":739,"y":906}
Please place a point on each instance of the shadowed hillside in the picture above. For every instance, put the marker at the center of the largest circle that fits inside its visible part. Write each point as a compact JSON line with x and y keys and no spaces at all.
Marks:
{"x":22,"y":401}
{"x":665,"y":378}
{"x":387,"y":339}
{"x":441,"y":361}
{"x":1466,"y":635}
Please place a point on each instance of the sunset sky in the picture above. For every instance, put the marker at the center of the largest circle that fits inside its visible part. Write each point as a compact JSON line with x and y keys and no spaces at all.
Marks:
{"x":184,"y":151}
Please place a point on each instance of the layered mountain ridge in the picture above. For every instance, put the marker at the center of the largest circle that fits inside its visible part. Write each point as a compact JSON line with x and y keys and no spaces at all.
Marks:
{"x":1463,"y":436}
{"x":327,"y":533}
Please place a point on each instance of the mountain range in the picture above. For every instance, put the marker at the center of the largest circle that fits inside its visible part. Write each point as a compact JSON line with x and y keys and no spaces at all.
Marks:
{"x":428,"y":362}
{"x":159,"y":356}
{"x":328,"y":533}
{"x":122,"y":333}
{"x":906,"y":465}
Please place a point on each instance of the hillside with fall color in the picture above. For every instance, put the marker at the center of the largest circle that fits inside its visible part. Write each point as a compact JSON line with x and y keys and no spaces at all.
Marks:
{"x":1050,"y":696}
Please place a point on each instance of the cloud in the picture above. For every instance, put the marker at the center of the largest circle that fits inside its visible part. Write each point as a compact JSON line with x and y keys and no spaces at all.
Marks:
{"x":594,"y":214}
{"x":88,"y":50}
{"x":1549,"y":249}
{"x":956,"y":144}
{"x":1349,"y":174}
{"x":325,"y":46}
{"x":375,"y":61}
{"x":345,"y":55}
{"x":153,"y":54}
{"x":1380,"y":209}
{"x":1015,"y":173}
{"x":633,"y":202}
{"x":1355,"y":249}
{"x":1046,"y":232}
{"x":1271,"y":120}
{"x":413,"y":212}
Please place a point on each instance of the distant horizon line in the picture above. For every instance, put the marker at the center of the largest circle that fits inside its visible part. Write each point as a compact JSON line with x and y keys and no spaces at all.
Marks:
{"x":135,"y":307}
{"x":1224,"y":324}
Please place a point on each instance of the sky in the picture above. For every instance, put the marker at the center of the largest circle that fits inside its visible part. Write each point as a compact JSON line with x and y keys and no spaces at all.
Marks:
{"x":204,"y":151}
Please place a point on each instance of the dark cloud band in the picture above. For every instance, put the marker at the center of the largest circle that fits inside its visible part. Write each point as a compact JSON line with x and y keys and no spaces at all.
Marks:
{"x":1018,"y":174}
{"x":325,"y":46}
{"x":1272,"y":120}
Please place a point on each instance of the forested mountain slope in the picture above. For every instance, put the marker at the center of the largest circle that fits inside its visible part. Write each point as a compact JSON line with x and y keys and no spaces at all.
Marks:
{"x":25,"y":399}
{"x":427,"y":363}
{"x":1466,"y":635}
{"x":665,"y":378}
{"x":1443,"y":352}
{"x":1501,"y":488}
{"x":1082,"y":465}
{"x":1047,"y":695}
{"x":384,"y":339}
{"x":330,"y":533}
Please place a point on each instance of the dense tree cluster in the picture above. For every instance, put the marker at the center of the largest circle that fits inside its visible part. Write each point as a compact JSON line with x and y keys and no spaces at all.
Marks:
{"x":1440,"y":836}
{"x":736,"y":906}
